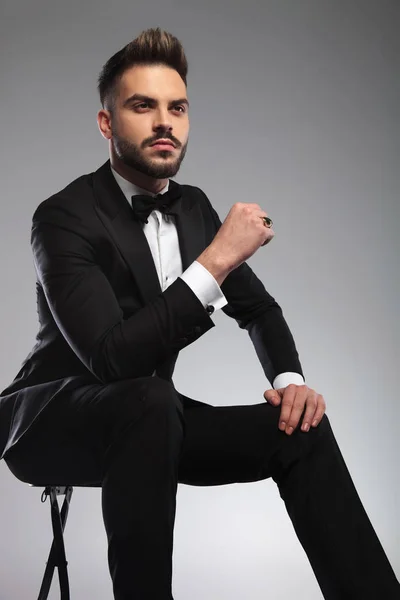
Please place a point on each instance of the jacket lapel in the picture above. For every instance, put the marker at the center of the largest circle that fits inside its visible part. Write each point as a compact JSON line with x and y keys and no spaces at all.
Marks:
{"x":189,"y":223}
{"x":127,"y":233}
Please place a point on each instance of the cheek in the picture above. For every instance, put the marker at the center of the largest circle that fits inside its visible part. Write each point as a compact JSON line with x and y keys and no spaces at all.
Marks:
{"x":182,"y":131}
{"x":135,"y":127}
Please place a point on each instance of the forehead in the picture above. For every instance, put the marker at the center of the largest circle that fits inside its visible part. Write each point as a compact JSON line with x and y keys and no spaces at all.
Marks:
{"x":157,"y":81}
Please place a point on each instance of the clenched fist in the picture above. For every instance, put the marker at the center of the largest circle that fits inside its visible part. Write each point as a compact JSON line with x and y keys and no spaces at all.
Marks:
{"x":240,"y":235}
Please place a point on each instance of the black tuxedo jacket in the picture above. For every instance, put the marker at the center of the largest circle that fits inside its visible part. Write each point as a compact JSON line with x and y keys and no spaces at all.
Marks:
{"x":102,"y":314}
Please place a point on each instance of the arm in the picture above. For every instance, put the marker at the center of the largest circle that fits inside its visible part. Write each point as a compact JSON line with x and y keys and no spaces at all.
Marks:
{"x":256,"y":310}
{"x":87,"y":312}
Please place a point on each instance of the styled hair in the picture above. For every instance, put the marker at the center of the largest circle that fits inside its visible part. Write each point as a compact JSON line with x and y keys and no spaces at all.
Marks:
{"x":151,"y":47}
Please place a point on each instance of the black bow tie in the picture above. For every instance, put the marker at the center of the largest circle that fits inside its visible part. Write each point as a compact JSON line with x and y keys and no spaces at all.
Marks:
{"x":143,"y":205}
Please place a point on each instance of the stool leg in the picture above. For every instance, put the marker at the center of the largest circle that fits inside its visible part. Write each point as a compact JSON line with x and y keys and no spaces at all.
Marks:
{"x":57,"y":552}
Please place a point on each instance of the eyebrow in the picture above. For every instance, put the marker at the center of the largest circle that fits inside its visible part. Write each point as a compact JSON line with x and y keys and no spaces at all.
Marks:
{"x":150,"y":100}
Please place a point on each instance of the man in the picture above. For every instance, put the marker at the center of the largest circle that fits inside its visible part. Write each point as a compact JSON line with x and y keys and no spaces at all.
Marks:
{"x":130,"y":267}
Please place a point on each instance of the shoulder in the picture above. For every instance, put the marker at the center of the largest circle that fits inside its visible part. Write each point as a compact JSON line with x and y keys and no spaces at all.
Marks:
{"x":197,"y":195}
{"x":71,"y":200}
{"x":193,"y":190}
{"x":209,"y":211}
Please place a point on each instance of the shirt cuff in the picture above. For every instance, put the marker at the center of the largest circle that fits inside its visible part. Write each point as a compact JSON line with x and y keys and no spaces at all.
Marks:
{"x":285,"y":379}
{"x":203,"y":284}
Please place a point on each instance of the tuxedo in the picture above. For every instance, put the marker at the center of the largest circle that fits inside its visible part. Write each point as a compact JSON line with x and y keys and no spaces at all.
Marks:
{"x":94,"y":402}
{"x":103,"y":316}
{"x":161,"y":234}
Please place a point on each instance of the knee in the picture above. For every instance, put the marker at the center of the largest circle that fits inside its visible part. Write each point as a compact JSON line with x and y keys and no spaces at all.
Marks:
{"x":150,"y":401}
{"x":141,"y":394}
{"x":317,"y":439}
{"x":323,"y":433}
{"x":300,"y":443}
{"x":156,"y":386}
{"x":161,"y":394}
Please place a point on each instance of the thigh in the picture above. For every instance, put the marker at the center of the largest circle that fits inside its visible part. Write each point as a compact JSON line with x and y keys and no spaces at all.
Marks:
{"x":228,"y":444}
{"x":68,"y":440}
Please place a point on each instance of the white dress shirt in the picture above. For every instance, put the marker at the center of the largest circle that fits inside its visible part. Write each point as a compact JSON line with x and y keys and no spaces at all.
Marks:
{"x":162,"y":237}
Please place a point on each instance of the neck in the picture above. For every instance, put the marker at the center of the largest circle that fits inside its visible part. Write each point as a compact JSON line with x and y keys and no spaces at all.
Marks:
{"x":140,"y":179}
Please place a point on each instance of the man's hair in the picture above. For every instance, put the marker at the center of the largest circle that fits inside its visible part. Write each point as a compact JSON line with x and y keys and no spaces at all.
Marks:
{"x":151,"y":47}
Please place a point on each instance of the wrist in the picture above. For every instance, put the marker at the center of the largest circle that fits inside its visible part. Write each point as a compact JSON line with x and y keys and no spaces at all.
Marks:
{"x":217,"y":265}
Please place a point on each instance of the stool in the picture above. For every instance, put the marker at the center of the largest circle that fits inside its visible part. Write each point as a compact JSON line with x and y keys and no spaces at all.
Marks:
{"x":57,"y":556}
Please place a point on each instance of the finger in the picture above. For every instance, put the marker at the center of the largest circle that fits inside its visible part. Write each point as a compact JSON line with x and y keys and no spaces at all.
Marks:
{"x":256,"y":208}
{"x":267,"y":241}
{"x":253,"y":205}
{"x":311,"y":407}
{"x":300,"y":399}
{"x":286,"y":405}
{"x":269,"y":233}
{"x":272,"y":396}
{"x":319,"y":413}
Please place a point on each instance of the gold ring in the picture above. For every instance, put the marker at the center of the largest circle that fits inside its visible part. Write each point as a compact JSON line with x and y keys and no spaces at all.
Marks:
{"x":267,"y":222}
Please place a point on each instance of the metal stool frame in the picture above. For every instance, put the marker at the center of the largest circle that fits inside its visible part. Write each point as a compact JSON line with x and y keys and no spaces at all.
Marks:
{"x":57,"y":557}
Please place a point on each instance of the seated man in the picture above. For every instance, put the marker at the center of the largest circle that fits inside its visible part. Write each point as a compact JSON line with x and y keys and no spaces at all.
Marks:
{"x":130,"y":267}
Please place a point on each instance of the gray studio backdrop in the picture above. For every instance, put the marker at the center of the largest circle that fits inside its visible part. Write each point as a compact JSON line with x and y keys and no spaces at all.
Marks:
{"x":294,"y":105}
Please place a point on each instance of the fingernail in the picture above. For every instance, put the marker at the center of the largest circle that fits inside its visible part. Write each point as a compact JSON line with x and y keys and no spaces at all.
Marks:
{"x":282,"y":425}
{"x":315,"y":423}
{"x":290,"y":430}
{"x":306,"y":427}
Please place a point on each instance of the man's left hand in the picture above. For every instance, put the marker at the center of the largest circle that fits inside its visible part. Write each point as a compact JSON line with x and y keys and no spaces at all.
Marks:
{"x":294,"y":398}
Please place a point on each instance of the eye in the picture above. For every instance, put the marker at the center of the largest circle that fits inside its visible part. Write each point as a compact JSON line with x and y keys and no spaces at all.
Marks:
{"x":180,"y":106}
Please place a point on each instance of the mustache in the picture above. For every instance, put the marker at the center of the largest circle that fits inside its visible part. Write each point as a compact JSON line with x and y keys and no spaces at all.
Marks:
{"x":163,"y":137}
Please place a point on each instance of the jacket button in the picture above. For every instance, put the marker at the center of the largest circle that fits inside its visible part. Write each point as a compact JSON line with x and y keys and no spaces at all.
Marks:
{"x":183,"y":340}
{"x":197,"y":329}
{"x":210,"y":309}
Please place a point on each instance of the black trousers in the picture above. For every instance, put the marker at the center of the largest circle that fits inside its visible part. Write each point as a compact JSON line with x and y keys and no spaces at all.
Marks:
{"x":138,"y":438}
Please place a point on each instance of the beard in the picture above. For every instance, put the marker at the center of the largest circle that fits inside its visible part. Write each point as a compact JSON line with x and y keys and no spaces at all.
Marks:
{"x":132,"y":155}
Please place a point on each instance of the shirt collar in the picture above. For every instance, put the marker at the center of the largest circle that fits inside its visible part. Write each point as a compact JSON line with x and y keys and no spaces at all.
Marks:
{"x":130,"y":189}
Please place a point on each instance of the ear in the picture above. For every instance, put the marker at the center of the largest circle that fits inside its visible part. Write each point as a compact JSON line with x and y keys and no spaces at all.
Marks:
{"x":104,"y":123}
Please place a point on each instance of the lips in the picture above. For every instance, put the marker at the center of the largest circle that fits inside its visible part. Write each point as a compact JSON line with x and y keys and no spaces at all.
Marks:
{"x":163,"y":143}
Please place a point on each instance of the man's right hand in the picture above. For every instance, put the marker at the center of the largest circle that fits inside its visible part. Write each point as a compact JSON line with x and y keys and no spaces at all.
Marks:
{"x":240,"y":235}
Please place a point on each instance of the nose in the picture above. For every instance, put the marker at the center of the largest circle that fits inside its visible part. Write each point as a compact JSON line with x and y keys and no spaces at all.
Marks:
{"x":162,"y":119}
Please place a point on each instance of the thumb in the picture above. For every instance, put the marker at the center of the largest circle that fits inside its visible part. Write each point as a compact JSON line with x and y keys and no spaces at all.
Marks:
{"x":272,"y":396}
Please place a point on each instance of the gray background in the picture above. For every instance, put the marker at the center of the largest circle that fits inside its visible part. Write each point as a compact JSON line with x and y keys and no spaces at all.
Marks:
{"x":294,"y":105}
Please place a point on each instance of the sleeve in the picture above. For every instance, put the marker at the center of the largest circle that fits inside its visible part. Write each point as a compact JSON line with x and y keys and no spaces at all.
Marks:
{"x":255,"y":310}
{"x":204,"y":285}
{"x":87,"y":313}
{"x":285,"y":379}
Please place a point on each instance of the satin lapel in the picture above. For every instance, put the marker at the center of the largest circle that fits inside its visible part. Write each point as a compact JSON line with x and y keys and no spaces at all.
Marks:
{"x":116,"y":214}
{"x":189,"y":222}
{"x":117,"y":217}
